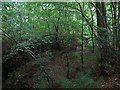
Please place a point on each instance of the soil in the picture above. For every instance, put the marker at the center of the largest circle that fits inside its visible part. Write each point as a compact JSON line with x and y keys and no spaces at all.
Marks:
{"x":23,"y":76}
{"x":112,"y":81}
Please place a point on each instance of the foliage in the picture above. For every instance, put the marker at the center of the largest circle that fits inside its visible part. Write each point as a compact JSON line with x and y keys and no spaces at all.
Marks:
{"x":82,"y":81}
{"x":40,"y":27}
{"x":87,"y":81}
{"x":75,"y":55}
{"x":64,"y":82}
{"x":43,"y":59}
{"x":39,"y":80}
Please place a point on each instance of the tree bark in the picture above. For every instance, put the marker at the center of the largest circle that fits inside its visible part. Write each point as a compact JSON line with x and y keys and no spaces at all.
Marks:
{"x":68,"y":67}
{"x":114,"y":25}
{"x":119,"y":27}
{"x":82,"y":35}
{"x":103,"y":34}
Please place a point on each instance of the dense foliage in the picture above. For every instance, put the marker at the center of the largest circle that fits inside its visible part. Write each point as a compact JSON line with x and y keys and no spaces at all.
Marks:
{"x":72,"y":33}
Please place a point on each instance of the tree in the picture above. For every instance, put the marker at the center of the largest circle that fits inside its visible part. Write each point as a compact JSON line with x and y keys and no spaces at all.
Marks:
{"x":102,"y":34}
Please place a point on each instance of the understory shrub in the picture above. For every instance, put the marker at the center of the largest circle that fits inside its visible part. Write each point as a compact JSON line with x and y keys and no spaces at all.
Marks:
{"x":81,"y":81}
{"x":87,"y":81}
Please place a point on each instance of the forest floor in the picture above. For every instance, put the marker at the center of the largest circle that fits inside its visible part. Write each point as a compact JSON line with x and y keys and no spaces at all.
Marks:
{"x":24,"y":75}
{"x":112,"y":81}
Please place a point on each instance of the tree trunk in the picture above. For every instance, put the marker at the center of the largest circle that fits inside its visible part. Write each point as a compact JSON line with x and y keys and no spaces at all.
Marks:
{"x":103,"y":35}
{"x":119,"y":28}
{"x":117,"y":33}
{"x":114,"y":25}
{"x":82,"y":34}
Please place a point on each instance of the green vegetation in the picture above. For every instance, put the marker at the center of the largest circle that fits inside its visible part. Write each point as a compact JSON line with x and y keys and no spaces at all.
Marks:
{"x":60,"y":44}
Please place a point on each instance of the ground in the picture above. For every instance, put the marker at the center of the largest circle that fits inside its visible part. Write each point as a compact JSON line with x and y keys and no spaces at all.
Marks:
{"x":24,"y":75}
{"x":112,"y":81}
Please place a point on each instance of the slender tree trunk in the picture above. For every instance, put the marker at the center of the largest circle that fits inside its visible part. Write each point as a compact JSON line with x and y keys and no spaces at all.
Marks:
{"x":92,"y":36}
{"x":93,"y":46}
{"x":56,"y":26}
{"x":56,"y":36}
{"x":117,"y":33}
{"x":82,"y":35}
{"x":68,"y":71}
{"x":113,"y":37}
{"x":114,"y":25}
{"x":119,"y":28}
